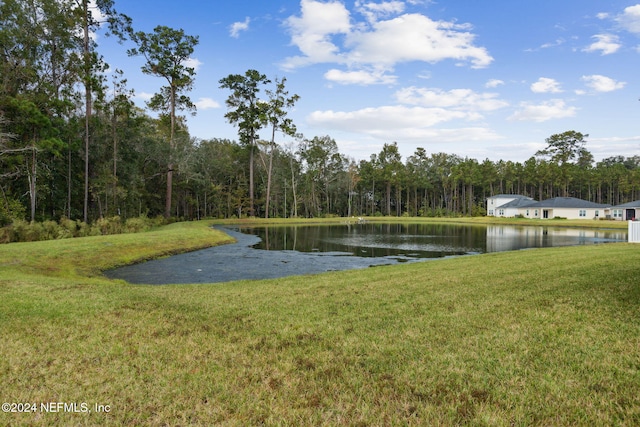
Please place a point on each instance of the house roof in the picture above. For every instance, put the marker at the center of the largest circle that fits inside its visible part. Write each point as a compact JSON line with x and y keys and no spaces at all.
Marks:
{"x":517,"y":200}
{"x":509,"y":196}
{"x":520,"y":202}
{"x":635,"y":204}
{"x":567,"y":202}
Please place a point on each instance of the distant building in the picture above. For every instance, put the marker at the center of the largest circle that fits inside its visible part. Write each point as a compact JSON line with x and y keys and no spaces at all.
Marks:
{"x":506,"y":205}
{"x":558,"y":207}
{"x":627,"y":211}
{"x":567,"y":207}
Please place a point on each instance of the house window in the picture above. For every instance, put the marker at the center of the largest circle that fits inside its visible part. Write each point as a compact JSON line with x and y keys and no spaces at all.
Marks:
{"x":535,"y":213}
{"x":583,"y":213}
{"x":501,"y":212}
{"x":597,"y":214}
{"x":617,"y":213}
{"x":490,"y":212}
{"x":527,"y":212}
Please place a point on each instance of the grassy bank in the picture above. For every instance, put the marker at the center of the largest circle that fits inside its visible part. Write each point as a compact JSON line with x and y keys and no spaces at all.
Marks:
{"x":538,"y":337}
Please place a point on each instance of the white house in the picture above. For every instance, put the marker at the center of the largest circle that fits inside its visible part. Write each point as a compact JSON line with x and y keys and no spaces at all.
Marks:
{"x":561,"y":207}
{"x":627,"y":211}
{"x":506,"y":205}
{"x":566,"y":207}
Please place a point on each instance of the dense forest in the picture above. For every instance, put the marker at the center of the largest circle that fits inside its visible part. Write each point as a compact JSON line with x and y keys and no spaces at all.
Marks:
{"x":74,"y":145}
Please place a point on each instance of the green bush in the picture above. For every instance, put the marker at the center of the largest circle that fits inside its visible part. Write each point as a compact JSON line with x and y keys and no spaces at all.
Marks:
{"x":84,"y":229}
{"x":22,"y":231}
{"x":6,"y":234}
{"x":49,"y":230}
{"x":111,"y":225}
{"x":11,"y":210}
{"x":478,"y":210}
{"x":158,"y":221}
{"x":68,"y":228}
{"x":136,"y":225}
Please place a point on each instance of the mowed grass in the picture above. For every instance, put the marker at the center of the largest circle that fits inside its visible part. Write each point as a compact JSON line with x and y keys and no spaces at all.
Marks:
{"x":536,"y":337}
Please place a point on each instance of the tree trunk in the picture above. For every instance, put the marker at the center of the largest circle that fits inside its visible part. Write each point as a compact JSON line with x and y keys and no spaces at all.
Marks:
{"x":32,"y":184}
{"x":115,"y":161}
{"x":87,"y":101}
{"x":167,"y":207}
{"x":388,"y":198}
{"x":269,"y":170}
{"x":293,"y":190}
{"x":251,"y":207}
{"x":69,"y":183}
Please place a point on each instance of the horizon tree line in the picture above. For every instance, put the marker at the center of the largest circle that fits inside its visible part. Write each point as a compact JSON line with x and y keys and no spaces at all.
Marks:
{"x":74,"y":145}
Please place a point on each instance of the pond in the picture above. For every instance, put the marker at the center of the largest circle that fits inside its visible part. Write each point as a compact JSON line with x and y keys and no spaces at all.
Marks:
{"x":279,"y":251}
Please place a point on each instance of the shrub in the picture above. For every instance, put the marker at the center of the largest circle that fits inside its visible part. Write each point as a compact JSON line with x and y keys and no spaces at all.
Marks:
{"x":158,"y":221}
{"x":111,"y":225}
{"x":136,"y":225}
{"x":83,"y":229}
{"x":48,"y":230}
{"x":11,"y":210}
{"x":6,"y":234}
{"x":478,"y":210}
{"x":22,"y":231}
{"x":68,"y":228}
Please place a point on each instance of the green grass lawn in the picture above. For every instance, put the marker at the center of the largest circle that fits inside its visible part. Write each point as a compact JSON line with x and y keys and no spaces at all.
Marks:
{"x":536,"y":337}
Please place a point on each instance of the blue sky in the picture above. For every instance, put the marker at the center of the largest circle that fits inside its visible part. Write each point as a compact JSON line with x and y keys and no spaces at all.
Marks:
{"x":474,"y":78}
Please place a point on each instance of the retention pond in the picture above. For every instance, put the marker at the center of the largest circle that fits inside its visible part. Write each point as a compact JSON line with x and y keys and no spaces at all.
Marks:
{"x":279,"y":251}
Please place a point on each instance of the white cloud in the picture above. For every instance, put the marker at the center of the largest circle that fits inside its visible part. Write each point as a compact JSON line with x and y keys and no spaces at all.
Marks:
{"x":630,"y":19}
{"x":553,"y":109}
{"x":380,"y":44}
{"x":556,"y":43}
{"x":206,"y":104}
{"x":237,"y":27}
{"x":546,"y":85}
{"x":192,"y":63}
{"x":414,"y":37}
{"x":605,"y":43}
{"x":601,"y":83}
{"x":145,"y":96}
{"x":493,"y":83}
{"x":371,"y":120}
{"x":311,"y":32}
{"x":374,"y":11}
{"x":458,"y":99}
{"x":401,"y":123}
{"x":360,"y":77}
{"x":604,"y":147}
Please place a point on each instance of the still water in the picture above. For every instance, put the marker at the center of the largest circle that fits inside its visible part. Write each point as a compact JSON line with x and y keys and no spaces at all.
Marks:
{"x":271,"y":252}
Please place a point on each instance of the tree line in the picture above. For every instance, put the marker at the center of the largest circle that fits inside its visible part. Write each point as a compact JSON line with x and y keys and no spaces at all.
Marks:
{"x":74,"y":145}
